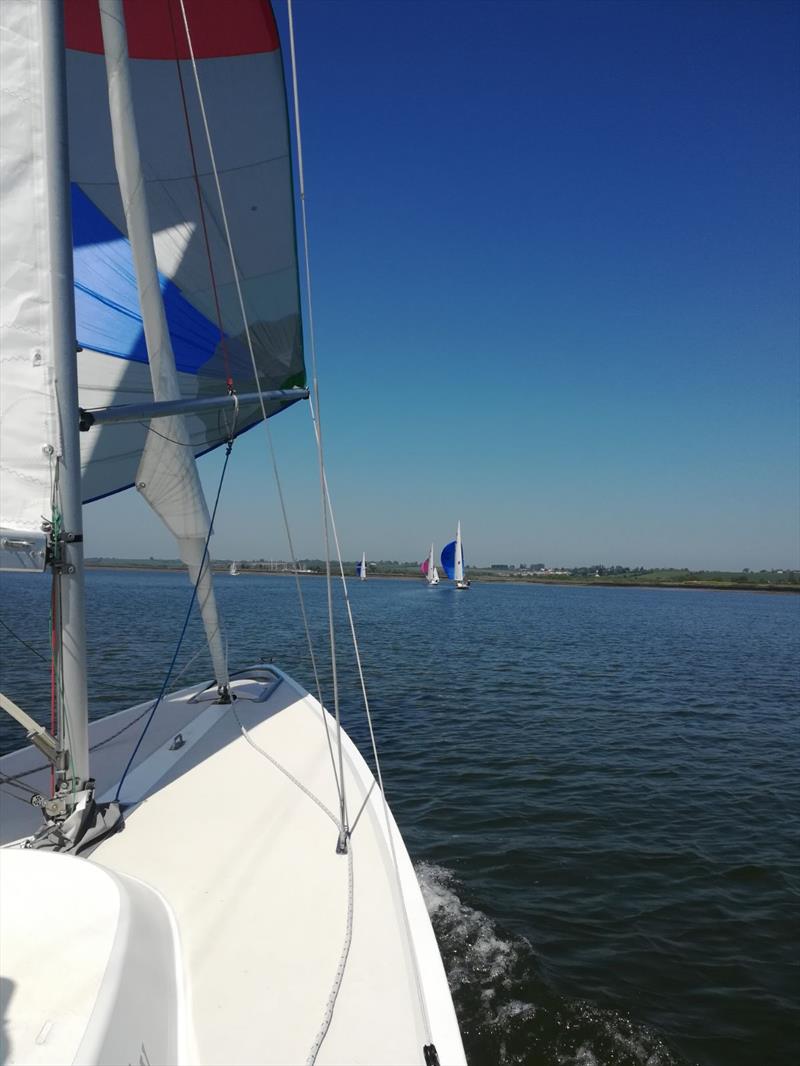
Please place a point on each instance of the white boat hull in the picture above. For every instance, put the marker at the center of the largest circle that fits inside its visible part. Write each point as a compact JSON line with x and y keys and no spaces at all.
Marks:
{"x":234,"y":828}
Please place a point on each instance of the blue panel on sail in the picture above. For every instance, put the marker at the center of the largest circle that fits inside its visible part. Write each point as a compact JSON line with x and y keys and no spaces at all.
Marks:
{"x":449,"y":559}
{"x":107,"y":312}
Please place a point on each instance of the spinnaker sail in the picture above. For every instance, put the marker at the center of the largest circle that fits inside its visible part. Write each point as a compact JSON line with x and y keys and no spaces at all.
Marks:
{"x":240,"y":77}
{"x":453,"y":558}
{"x":448,"y":558}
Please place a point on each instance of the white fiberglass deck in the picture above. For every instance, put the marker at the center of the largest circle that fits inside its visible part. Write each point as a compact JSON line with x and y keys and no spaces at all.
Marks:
{"x":247,"y":863}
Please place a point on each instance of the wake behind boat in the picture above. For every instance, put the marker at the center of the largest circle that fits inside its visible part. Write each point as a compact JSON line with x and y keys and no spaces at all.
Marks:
{"x":260,"y":905}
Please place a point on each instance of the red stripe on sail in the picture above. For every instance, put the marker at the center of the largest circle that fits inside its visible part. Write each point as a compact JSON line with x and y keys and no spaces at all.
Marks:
{"x":218,"y":29}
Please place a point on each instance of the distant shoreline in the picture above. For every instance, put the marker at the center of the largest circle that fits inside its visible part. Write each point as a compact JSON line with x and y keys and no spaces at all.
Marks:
{"x":708,"y":586}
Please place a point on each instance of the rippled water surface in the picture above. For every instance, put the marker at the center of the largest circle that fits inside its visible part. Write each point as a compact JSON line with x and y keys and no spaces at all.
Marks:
{"x":599,"y":787}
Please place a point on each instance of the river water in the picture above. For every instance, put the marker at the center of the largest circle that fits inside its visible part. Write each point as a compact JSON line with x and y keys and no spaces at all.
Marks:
{"x":600,"y":788}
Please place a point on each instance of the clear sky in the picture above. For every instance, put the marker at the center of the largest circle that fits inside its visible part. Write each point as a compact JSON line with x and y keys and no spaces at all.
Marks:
{"x":555,"y":264}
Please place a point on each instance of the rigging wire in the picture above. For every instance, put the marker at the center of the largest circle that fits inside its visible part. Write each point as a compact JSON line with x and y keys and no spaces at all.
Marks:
{"x":30,"y":647}
{"x":195,"y":584}
{"x":387,"y":818}
{"x":338,"y":777}
{"x":315,"y":389}
{"x":327,"y":505}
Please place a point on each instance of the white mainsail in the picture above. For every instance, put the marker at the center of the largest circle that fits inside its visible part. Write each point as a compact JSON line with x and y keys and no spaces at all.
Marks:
{"x":459,"y":557}
{"x":432,"y":574}
{"x":30,"y":439}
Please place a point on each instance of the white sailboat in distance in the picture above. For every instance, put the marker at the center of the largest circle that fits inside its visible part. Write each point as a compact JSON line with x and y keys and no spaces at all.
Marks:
{"x":234,"y":570}
{"x":260,"y":906}
{"x":453,"y":561}
{"x":361,"y":568}
{"x":429,"y":570}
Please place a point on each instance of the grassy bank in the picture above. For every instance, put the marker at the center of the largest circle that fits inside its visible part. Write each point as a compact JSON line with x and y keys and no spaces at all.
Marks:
{"x":615,"y":577}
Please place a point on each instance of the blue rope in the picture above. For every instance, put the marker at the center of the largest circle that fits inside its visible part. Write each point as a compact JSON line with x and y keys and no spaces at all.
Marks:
{"x":185,"y":624}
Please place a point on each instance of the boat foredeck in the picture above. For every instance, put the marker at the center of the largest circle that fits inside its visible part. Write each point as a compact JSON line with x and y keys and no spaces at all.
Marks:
{"x":262,"y":869}
{"x":232,"y":816}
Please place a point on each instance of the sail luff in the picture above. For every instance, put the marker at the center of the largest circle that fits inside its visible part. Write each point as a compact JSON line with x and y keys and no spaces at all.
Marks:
{"x":459,"y":559}
{"x":167,"y":475}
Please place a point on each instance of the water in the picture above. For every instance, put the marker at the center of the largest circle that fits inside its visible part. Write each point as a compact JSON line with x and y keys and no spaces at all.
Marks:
{"x":599,"y":787}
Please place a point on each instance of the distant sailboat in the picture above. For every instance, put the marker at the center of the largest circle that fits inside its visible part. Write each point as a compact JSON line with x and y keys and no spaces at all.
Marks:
{"x":361,"y":568}
{"x":453,"y":561}
{"x":428,"y":568}
{"x":234,"y":570}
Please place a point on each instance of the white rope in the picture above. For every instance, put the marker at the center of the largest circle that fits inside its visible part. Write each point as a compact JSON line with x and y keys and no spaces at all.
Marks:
{"x":338,"y":777}
{"x":327,"y":1016}
{"x":337,"y":981}
{"x":282,"y":769}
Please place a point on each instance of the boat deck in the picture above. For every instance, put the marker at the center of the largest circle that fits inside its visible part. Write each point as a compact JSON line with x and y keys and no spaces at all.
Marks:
{"x":243,"y":849}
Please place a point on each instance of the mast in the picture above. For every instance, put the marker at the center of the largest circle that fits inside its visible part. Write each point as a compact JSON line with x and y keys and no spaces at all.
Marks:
{"x":68,"y":548}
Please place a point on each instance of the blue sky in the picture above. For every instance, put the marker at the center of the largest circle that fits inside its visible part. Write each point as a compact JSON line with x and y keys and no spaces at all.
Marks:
{"x":555,"y":265}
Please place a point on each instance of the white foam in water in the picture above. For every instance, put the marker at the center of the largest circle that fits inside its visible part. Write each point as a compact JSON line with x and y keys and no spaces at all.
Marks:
{"x":583,"y":1057}
{"x":485,"y":971}
{"x":475,"y":947}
